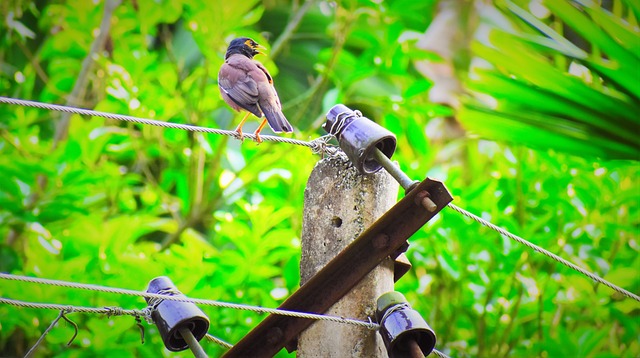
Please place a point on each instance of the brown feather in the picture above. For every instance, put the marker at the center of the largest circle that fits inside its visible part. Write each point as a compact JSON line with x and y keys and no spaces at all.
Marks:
{"x":245,"y":84}
{"x":238,"y":88}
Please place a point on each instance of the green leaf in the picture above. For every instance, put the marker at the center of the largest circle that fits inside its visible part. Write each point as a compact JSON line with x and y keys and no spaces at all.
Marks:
{"x":449,"y":264}
{"x":619,"y":57}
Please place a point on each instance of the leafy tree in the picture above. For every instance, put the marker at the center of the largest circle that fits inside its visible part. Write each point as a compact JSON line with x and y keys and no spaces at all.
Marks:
{"x":117,"y":204}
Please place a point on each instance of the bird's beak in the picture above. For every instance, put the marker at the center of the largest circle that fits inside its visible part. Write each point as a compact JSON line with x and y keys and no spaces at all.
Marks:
{"x":259,"y":48}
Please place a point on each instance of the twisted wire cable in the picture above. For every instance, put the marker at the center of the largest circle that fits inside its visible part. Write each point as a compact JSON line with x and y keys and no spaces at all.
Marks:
{"x":218,"y":341}
{"x":318,"y":145}
{"x":539,"y":249}
{"x":110,"y":311}
{"x":439,"y":354}
{"x":121,"y":291}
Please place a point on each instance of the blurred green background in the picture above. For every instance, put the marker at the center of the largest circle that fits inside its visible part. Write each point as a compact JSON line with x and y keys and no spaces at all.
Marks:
{"x":527,"y":110}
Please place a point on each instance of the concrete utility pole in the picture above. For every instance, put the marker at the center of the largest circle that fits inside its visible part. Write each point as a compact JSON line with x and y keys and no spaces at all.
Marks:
{"x":340,"y":204}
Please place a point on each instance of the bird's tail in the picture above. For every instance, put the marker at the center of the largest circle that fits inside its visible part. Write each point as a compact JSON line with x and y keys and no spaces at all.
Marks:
{"x":277,"y":121}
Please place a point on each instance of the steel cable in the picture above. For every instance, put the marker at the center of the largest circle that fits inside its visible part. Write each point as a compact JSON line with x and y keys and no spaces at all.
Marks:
{"x":318,"y":145}
{"x":121,"y":291}
{"x":545,"y":252}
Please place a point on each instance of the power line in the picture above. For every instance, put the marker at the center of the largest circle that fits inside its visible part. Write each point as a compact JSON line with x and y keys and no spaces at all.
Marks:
{"x":218,"y":341}
{"x":121,"y":291}
{"x":110,"y":311}
{"x":545,"y":252}
{"x":439,"y":354}
{"x":318,"y":145}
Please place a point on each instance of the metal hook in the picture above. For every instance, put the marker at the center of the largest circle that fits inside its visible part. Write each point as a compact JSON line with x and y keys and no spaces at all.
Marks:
{"x":139,"y":324}
{"x":75,"y":326}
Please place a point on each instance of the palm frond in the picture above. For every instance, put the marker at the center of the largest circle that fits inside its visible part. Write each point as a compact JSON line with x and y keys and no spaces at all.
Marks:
{"x":526,"y":95}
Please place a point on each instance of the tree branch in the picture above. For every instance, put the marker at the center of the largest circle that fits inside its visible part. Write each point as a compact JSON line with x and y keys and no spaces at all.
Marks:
{"x":80,"y":86}
{"x":293,"y":24}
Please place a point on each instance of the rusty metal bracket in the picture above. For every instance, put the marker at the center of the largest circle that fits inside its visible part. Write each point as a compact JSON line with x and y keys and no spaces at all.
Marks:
{"x":342,"y":273}
{"x":401,"y":266}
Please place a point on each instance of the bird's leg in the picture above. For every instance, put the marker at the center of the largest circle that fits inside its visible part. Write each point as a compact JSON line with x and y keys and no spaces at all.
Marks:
{"x":239,"y":127}
{"x":257,"y":132}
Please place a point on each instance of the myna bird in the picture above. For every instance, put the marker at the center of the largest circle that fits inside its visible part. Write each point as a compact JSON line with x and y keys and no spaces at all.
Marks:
{"x":245,"y":84}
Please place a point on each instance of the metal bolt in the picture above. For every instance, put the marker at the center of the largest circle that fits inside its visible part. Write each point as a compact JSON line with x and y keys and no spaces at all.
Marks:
{"x":391,"y":168}
{"x":402,"y":178}
{"x":423,"y":198}
{"x":193,"y":344}
{"x":414,"y":349}
{"x":428,"y":204}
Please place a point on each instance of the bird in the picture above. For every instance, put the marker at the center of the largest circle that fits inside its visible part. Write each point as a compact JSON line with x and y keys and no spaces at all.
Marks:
{"x":245,"y":84}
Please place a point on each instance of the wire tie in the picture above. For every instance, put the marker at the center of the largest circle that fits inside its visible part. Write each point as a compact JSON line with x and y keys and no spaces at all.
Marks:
{"x":372,"y":325}
{"x":321,"y":145}
{"x":147,"y":314}
{"x":114,"y":311}
{"x":341,"y":119}
{"x":394,"y":308}
{"x":154,"y":302}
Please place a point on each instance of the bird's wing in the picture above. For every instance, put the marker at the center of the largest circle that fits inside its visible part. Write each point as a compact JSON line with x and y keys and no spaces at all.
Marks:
{"x":273,"y":95}
{"x":236,"y":80}
{"x":269,"y":101}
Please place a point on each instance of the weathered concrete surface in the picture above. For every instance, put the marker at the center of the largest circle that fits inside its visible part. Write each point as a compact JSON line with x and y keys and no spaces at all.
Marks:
{"x":339,"y":204}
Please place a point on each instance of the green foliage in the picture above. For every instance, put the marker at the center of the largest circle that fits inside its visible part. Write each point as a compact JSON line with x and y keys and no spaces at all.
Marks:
{"x":119,"y":204}
{"x":544,"y":91}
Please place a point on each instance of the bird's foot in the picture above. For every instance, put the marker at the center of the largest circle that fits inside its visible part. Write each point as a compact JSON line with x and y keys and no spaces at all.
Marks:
{"x":239,"y":134}
{"x":258,"y":139}
{"x":257,"y":132}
